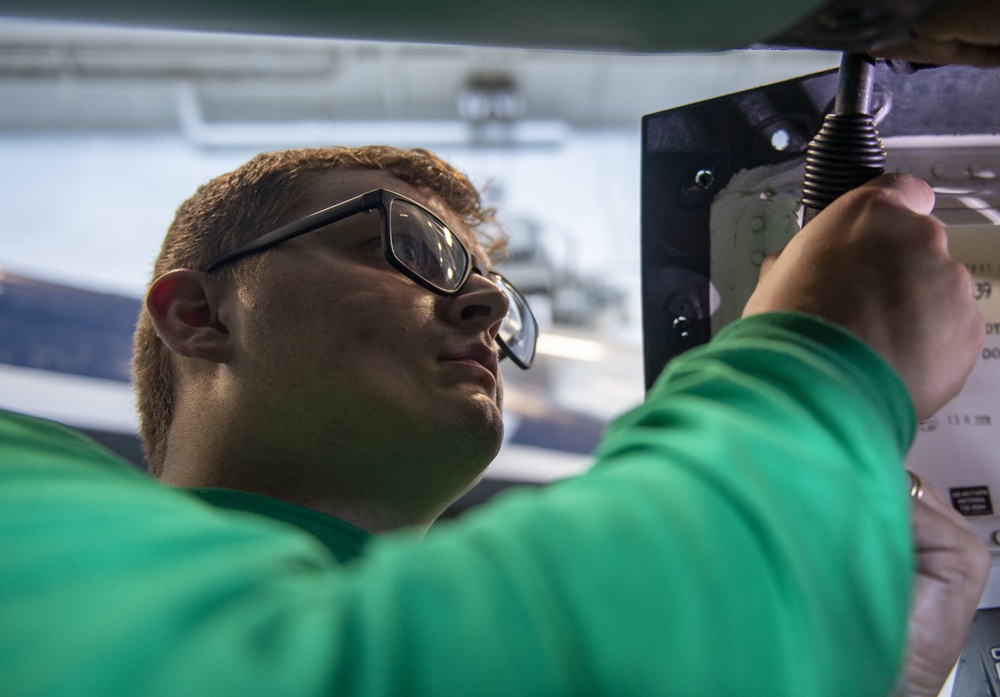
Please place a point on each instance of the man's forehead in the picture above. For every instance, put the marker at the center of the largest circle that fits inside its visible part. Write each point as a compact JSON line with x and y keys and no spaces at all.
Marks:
{"x":326,"y":188}
{"x":330,"y":187}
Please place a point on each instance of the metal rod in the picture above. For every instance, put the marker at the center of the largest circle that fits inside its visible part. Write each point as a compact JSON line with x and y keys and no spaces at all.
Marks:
{"x":855,"y":84}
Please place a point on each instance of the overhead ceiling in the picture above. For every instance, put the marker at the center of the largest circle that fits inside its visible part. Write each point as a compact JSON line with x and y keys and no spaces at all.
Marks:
{"x":57,"y":77}
{"x":636,"y":26}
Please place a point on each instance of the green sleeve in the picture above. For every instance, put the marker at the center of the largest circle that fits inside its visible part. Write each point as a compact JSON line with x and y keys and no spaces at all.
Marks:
{"x":745,"y":532}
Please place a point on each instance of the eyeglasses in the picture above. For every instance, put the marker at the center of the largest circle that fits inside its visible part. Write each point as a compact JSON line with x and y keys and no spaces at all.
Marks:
{"x":421,"y":247}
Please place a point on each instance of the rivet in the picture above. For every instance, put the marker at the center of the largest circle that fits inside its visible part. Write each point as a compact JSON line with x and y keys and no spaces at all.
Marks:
{"x":681,"y":326}
{"x":980,"y":172}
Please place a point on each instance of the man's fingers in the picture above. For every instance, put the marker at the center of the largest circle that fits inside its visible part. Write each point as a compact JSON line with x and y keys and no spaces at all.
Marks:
{"x":935,"y":498}
{"x":952,"y":567}
{"x":979,"y":56}
{"x":968,"y":22}
{"x":944,"y":53}
{"x":940,"y":530}
{"x":962,"y":31}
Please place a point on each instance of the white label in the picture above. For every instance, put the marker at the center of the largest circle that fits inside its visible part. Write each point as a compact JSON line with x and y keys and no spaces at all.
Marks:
{"x":957,"y":449}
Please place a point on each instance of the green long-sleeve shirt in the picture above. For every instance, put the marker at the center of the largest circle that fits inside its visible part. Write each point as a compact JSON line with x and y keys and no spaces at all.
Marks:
{"x":744,"y":532}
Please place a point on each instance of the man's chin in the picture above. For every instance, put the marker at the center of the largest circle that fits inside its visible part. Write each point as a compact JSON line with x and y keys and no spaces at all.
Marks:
{"x":480,"y":433}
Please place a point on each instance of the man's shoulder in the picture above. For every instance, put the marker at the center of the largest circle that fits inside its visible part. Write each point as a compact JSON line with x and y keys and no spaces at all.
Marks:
{"x":43,"y":445}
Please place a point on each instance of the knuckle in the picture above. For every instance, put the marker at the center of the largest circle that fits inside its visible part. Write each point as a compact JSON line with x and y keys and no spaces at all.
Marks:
{"x":890,"y":207}
{"x":876,"y":199}
{"x":959,"y":276}
{"x":767,"y":263}
{"x":957,"y":282}
{"x":933,"y":232}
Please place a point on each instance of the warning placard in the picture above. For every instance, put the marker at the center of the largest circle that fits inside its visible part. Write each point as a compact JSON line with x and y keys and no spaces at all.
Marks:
{"x":973,"y":500}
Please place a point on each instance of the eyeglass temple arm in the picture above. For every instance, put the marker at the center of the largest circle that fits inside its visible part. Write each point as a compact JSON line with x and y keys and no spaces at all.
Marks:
{"x":311,"y":222}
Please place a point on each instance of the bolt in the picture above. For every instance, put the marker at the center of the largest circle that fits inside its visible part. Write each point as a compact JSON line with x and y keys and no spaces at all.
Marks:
{"x":681,"y":326}
{"x":704,"y":178}
{"x":979,"y":172}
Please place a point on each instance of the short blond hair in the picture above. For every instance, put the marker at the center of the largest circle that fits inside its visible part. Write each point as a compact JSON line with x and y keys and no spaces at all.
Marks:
{"x":235,"y":208}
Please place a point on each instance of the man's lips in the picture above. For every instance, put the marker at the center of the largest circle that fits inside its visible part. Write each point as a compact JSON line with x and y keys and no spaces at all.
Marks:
{"x":477,"y":353}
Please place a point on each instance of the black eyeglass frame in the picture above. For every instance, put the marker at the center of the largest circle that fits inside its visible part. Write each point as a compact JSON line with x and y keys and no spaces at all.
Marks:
{"x":380,"y":200}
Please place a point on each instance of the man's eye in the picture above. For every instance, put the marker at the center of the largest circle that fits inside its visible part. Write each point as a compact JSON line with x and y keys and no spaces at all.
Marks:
{"x":408,"y":251}
{"x":357,"y":241}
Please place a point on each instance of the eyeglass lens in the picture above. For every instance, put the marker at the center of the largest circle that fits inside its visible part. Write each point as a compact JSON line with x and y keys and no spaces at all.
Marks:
{"x":426,"y":247}
{"x":518,"y":331}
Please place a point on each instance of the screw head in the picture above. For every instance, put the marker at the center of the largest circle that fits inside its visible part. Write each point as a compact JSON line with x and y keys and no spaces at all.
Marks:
{"x":682,"y":326}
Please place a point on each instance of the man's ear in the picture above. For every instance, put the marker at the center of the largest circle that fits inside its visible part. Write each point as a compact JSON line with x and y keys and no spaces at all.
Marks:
{"x":186,"y":308}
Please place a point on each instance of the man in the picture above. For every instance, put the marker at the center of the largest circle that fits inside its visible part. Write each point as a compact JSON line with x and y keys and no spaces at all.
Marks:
{"x":755,"y":501}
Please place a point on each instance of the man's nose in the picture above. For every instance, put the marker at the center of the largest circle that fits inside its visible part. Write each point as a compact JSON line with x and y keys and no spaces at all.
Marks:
{"x":479,"y":304}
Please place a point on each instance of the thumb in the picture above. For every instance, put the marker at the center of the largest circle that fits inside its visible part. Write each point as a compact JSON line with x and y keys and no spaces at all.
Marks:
{"x":903,"y":189}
